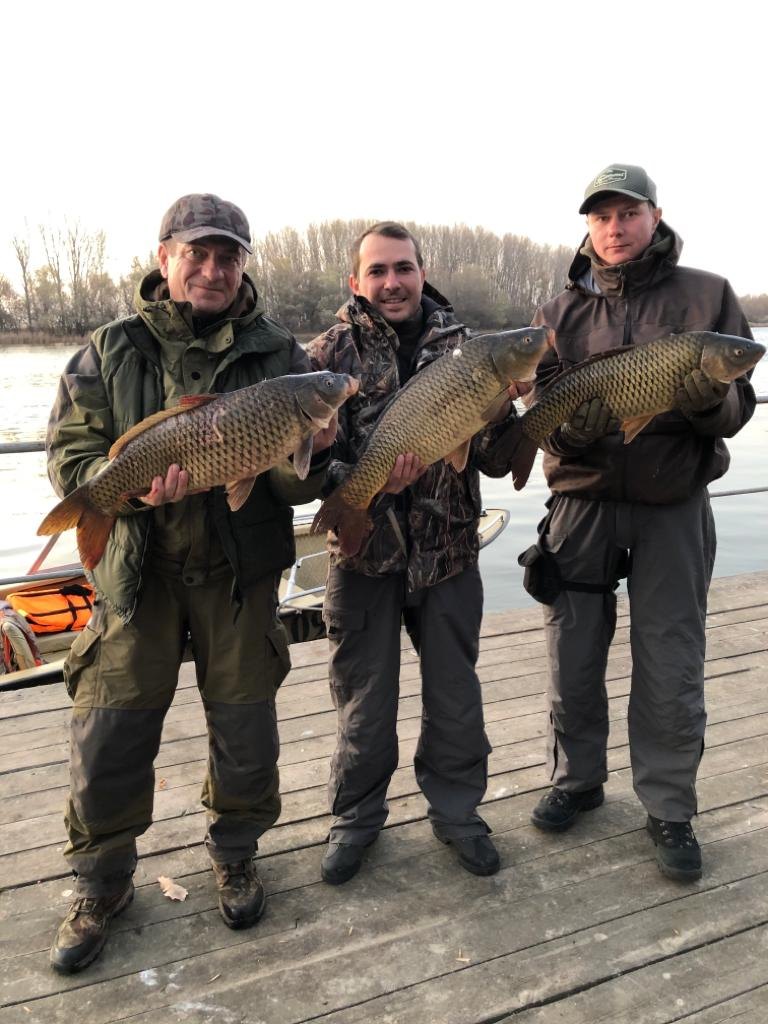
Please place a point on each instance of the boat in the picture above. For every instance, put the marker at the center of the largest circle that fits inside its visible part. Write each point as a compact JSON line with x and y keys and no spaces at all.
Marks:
{"x":300,"y":597}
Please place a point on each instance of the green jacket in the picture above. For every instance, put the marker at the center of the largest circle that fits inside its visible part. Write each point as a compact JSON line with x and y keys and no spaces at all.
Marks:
{"x":137,"y":366}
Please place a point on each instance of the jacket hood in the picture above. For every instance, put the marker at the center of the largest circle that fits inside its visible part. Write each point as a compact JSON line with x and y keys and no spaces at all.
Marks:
{"x":658,"y":260}
{"x":163,"y":316}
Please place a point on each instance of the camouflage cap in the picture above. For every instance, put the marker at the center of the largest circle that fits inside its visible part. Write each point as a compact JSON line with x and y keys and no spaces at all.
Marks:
{"x":201,"y":214}
{"x":626,"y":179}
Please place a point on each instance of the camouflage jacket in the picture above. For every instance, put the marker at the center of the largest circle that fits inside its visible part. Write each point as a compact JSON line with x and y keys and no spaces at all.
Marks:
{"x":438,"y":516}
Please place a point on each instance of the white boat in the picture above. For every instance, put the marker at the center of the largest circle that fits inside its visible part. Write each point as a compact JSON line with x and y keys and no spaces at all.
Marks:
{"x":301,"y":593}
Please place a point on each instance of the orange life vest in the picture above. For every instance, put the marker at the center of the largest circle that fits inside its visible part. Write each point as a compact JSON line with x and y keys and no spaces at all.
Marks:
{"x":55,"y":607}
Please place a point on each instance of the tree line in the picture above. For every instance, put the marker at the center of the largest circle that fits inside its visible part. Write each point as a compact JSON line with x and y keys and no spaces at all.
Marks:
{"x":492,"y":281}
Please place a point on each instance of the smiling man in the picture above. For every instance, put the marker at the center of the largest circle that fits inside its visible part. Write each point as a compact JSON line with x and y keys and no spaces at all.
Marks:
{"x":418,"y":567}
{"x":177,"y":566}
{"x":639,"y":510}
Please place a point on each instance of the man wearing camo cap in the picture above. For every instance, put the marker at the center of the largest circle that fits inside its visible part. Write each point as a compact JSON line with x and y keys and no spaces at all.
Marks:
{"x":177,"y":567}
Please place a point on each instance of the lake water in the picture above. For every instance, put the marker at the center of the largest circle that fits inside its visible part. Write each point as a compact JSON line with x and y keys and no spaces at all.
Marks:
{"x":28,"y":384}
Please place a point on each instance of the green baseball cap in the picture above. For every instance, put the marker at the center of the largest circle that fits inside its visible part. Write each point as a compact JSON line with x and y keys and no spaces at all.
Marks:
{"x":201,"y":214}
{"x":626,"y":179}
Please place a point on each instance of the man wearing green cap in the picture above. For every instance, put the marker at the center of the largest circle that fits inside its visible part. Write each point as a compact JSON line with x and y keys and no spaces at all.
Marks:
{"x":177,"y":567}
{"x":640,"y":510}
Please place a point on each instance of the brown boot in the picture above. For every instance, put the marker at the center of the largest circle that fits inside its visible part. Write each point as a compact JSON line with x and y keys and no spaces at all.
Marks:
{"x":83,"y":932}
{"x":241,"y":894}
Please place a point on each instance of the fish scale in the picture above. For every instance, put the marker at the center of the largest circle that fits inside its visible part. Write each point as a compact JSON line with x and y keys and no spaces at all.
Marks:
{"x":229,"y":439}
{"x":631,"y":382}
{"x":440,"y":404}
{"x":636,"y":383}
{"x":433,"y":417}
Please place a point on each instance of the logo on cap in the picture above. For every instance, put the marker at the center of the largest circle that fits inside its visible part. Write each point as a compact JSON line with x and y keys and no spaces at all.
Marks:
{"x":611,"y":177}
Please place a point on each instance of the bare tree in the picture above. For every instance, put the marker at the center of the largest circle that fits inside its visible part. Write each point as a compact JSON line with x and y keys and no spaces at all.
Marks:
{"x":53,"y":244}
{"x":21,"y":248}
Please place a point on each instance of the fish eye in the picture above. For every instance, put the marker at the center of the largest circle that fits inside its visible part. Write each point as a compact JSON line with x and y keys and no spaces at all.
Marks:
{"x":738,"y":352}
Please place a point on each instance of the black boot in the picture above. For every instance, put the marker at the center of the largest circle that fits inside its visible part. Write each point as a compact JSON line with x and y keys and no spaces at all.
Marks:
{"x":241,"y":894}
{"x":476,"y":854}
{"x":557,"y":810}
{"x":678,"y":853}
{"x":341,"y":862}
{"x":83,"y":932}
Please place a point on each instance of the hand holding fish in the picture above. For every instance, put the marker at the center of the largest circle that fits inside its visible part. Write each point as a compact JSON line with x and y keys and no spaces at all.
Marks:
{"x":171,"y":489}
{"x":324,"y":438}
{"x":591,"y":421}
{"x":699,"y":393}
{"x":517,"y":389}
{"x":406,"y":471}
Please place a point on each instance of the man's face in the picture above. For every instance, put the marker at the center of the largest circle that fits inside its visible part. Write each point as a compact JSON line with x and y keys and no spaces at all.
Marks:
{"x":621,"y":228}
{"x":389,"y":276}
{"x":207,"y":273}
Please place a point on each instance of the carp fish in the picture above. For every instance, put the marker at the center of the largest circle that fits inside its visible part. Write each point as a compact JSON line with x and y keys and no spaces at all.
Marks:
{"x":434,"y":416}
{"x":223,"y":439}
{"x":636,"y":383}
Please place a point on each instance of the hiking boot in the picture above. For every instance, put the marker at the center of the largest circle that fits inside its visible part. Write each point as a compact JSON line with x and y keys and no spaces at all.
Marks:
{"x":678,"y":853}
{"x":241,"y":894}
{"x":83,"y":932}
{"x":476,"y":854}
{"x":341,"y":862}
{"x":557,"y":810}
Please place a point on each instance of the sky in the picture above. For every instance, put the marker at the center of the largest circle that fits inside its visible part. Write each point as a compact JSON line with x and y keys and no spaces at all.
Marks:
{"x":491,"y":113}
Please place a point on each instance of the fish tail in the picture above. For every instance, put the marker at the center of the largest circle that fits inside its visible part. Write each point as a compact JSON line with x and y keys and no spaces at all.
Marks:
{"x":93,"y":527}
{"x":351,"y":525}
{"x":522,"y":461}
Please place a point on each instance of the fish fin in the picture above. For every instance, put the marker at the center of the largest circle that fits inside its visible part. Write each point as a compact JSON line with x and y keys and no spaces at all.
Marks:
{"x":145,"y":424}
{"x":351,"y":525}
{"x":633,"y":426}
{"x":302,"y":457}
{"x":192,"y":401}
{"x":93,"y":532}
{"x":492,"y":411}
{"x":93,"y":526}
{"x":65,"y":515}
{"x":521,"y":462}
{"x":459,"y":457}
{"x":238,"y":491}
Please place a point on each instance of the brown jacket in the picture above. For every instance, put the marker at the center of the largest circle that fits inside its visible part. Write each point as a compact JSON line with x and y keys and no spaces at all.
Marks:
{"x":635,"y":303}
{"x":438,"y":515}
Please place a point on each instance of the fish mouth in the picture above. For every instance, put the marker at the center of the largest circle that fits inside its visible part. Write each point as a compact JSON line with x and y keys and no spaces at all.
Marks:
{"x":351,"y":387}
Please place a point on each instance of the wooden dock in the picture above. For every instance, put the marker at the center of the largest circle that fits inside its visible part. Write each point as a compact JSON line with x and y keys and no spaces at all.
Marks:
{"x":578,"y":928}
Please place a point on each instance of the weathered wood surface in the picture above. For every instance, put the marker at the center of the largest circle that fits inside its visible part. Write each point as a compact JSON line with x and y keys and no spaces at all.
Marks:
{"x":578,"y":928}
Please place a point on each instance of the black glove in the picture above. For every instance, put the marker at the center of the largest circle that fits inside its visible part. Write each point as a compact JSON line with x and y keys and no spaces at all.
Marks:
{"x":591,"y":421}
{"x":699,"y":393}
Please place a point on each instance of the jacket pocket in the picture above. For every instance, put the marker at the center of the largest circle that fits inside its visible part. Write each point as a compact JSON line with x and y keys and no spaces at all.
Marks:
{"x":277,"y":642}
{"x":343,"y":620}
{"x":81,"y":666}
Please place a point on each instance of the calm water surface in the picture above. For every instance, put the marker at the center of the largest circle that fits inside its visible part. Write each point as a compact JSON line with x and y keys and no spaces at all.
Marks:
{"x":28,"y":379}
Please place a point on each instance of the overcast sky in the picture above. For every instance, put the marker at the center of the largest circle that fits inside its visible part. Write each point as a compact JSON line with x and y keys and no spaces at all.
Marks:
{"x":487,"y":113}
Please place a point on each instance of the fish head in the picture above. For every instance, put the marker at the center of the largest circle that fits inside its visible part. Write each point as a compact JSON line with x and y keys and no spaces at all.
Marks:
{"x":320,"y":394}
{"x":516,"y":354}
{"x":724,"y":357}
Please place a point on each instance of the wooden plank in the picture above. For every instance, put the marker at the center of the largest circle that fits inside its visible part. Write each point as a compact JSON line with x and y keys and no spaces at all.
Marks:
{"x":557,"y":925}
{"x":570,"y":918}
